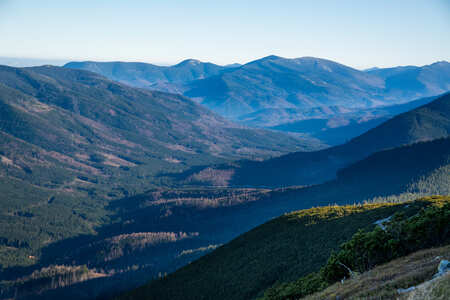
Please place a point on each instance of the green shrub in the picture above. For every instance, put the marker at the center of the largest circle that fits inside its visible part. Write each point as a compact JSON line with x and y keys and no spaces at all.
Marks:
{"x":402,"y":236}
{"x":367,"y":249}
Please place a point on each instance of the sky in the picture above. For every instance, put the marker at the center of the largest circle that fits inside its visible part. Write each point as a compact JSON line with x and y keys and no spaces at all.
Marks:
{"x":358,"y":33}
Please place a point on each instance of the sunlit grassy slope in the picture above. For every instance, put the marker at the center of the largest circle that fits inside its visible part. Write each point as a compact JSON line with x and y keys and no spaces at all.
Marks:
{"x":383,"y":281}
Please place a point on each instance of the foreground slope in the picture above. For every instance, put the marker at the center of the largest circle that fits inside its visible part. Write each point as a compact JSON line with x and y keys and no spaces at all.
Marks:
{"x":279,"y":251}
{"x":394,"y":237}
{"x":427,"y":122}
{"x":71,"y":141}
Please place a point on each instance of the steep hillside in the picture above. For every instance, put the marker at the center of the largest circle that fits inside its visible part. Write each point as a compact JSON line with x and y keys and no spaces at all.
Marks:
{"x":71,"y":141}
{"x":161,"y":78}
{"x":424,"y":123}
{"x":281,"y":250}
{"x":396,"y":236}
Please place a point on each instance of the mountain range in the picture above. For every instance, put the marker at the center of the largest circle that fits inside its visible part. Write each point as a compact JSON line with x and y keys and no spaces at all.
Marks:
{"x":275,"y":90}
{"x":161,"y":78}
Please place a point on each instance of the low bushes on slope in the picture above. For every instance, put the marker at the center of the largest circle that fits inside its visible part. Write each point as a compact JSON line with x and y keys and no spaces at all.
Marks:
{"x":367,"y":249}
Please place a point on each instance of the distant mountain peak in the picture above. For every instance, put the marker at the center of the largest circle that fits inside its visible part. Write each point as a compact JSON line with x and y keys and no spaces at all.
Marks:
{"x":234,"y":65}
{"x":272,"y":57}
{"x":190,"y":62}
{"x":440,"y":63}
{"x":264,"y":59}
{"x":371,"y":69}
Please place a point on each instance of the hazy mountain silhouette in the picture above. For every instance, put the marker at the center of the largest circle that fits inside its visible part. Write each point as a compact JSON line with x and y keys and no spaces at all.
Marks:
{"x":276,"y":90}
{"x":161,"y":78}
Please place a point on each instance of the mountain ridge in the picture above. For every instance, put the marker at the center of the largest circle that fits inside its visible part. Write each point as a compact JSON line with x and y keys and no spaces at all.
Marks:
{"x":428,"y":121}
{"x":304,"y":83}
{"x":340,"y":127}
{"x":151,"y":76}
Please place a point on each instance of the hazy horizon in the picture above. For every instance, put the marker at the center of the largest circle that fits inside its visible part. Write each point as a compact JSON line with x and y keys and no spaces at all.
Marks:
{"x":361,"y":35}
{"x":32,"y":62}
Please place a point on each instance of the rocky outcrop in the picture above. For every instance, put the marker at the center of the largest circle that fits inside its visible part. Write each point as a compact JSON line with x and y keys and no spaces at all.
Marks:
{"x":436,"y":288}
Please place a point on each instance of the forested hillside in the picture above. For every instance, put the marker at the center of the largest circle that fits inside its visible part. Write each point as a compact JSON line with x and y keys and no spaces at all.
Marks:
{"x":71,"y":141}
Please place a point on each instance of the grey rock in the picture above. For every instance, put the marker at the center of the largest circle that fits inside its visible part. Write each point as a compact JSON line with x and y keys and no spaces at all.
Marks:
{"x":401,"y":291}
{"x":444,"y":267}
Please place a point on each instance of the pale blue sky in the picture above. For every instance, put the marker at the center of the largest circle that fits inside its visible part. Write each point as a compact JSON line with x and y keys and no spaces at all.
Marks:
{"x":359,"y":33}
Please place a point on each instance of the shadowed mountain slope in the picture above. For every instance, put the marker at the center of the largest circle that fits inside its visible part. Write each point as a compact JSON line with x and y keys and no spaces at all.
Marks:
{"x":339,"y":128}
{"x":427,"y":122}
